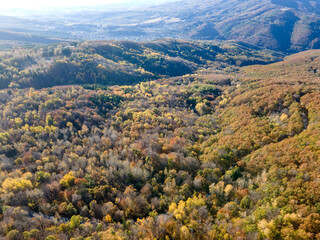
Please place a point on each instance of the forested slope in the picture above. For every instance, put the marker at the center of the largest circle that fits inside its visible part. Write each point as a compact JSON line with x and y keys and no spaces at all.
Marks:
{"x":225,"y":153}
{"x":121,"y":62}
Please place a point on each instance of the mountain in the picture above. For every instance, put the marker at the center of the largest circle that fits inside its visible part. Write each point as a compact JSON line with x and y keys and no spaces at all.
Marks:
{"x":286,"y":26}
{"x":214,"y":137}
{"x":27,"y":38}
{"x":215,"y":151}
{"x":121,"y":62}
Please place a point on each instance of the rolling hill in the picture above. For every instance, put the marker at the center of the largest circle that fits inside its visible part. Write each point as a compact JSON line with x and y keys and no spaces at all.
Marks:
{"x":286,"y":26}
{"x":213,"y":137}
{"x":217,"y":151}
{"x":122,"y":62}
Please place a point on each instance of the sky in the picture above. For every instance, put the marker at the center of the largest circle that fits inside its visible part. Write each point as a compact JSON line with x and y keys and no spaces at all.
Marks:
{"x":46,"y":4}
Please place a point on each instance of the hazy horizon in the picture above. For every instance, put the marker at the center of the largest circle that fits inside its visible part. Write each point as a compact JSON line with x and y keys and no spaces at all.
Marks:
{"x":19,"y":6}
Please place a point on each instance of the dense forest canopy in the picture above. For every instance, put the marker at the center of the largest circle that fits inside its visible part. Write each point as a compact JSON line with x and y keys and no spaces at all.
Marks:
{"x":121,"y":62}
{"x":188,"y":145}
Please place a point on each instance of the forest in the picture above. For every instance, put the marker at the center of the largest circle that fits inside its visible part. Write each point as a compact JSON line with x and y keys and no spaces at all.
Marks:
{"x":225,"y":148}
{"x":121,"y":62}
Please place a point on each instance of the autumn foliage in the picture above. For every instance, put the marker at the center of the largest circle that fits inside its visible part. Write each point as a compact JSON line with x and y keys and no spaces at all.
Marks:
{"x":224,"y":153}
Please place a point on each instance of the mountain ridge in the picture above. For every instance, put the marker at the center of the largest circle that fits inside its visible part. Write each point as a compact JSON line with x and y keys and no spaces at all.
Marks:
{"x":286,"y":26}
{"x":122,"y":62}
{"x":225,"y":152}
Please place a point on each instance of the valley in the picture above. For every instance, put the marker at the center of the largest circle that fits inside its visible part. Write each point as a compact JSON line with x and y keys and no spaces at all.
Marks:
{"x":285,"y":26}
{"x":168,"y":120}
{"x":225,"y":148}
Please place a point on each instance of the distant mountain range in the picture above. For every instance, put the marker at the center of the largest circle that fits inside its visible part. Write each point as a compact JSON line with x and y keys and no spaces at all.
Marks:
{"x":281,"y":25}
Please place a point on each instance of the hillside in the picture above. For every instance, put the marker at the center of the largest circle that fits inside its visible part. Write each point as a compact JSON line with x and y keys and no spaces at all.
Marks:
{"x":287,"y":26}
{"x":121,"y":62}
{"x":221,"y":153}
